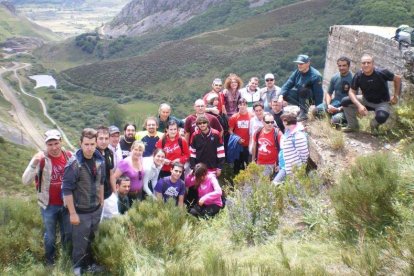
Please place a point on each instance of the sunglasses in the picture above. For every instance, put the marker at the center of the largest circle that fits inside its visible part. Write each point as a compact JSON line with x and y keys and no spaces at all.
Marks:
{"x":269,"y":79}
{"x":269,"y":122}
{"x":202,"y":123}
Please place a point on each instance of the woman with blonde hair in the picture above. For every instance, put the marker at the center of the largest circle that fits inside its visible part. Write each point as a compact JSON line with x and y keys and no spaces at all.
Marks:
{"x":132,"y":166}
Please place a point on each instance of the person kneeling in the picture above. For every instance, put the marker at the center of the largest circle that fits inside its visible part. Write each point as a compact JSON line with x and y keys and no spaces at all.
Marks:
{"x":208,"y":190}
{"x":172,"y":186}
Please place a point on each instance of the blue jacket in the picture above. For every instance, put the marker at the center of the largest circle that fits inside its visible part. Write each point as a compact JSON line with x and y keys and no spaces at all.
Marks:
{"x":311,"y":79}
{"x":233,"y":148}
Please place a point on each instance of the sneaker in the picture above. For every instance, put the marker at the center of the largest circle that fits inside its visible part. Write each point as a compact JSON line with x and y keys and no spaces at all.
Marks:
{"x":77,"y":271}
{"x":95,"y":268}
{"x":348,"y":129}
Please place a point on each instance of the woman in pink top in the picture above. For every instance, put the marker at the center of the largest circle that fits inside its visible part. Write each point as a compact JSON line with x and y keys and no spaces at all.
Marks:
{"x":132,"y":167}
{"x":208,"y":189}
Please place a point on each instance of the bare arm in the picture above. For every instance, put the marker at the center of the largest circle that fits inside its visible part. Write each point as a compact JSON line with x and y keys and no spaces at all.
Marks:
{"x":361,"y":109}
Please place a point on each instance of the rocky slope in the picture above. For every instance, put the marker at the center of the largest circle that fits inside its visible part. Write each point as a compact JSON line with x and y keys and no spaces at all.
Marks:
{"x":142,"y":16}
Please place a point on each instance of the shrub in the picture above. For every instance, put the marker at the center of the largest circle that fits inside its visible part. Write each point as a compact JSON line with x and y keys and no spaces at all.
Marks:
{"x":254,"y":208}
{"x":20,"y":232}
{"x":363,"y":198}
{"x":162,"y":230}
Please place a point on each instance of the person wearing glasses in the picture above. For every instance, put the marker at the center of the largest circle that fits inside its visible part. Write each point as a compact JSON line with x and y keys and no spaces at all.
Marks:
{"x":207,"y":147}
{"x":265,"y":145}
{"x":269,"y":92}
{"x":132,"y":166}
{"x":294,"y":151}
{"x":251,"y":93}
{"x":190,"y":122}
{"x":217,"y":86}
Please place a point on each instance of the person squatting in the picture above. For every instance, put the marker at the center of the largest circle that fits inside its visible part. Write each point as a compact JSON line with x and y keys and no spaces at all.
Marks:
{"x":182,"y":159}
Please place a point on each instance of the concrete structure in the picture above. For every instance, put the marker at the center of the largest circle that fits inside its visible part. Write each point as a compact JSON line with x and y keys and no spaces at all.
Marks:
{"x":353,"y":41}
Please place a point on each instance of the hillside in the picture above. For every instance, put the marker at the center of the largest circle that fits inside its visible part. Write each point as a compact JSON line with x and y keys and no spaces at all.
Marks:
{"x":12,"y":25}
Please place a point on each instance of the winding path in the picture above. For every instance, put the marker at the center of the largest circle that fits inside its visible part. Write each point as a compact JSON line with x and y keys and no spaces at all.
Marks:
{"x":21,"y":114}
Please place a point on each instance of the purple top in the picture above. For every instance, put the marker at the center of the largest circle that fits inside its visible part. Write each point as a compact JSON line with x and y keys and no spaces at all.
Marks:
{"x":135,"y":176}
{"x":168,"y":189}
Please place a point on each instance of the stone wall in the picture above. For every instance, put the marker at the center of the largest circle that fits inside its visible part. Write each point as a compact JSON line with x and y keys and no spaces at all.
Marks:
{"x":354,"y":41}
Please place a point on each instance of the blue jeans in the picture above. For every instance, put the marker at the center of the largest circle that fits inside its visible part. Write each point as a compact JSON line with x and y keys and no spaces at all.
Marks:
{"x":52,"y":216}
{"x":337,"y":118}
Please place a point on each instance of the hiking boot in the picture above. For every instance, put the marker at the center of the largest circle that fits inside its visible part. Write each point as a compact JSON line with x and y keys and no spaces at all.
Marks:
{"x":95,"y":268}
{"x":348,"y":129}
{"x":77,"y":271}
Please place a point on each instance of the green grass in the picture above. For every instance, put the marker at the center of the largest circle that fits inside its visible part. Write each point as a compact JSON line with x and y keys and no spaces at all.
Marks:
{"x":12,"y":25}
{"x":13,"y":161}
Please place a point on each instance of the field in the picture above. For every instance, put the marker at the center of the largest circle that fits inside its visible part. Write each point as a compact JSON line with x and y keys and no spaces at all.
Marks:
{"x":11,"y":25}
{"x":72,"y":20}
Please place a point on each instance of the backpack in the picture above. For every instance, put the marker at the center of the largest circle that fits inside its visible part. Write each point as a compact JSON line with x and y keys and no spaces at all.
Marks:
{"x":38,"y":178}
{"x":404,"y":35}
{"x":164,"y":140}
{"x":275,"y":134}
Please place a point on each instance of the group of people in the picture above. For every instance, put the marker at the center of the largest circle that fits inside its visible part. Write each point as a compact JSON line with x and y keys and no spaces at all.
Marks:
{"x":181,"y":160}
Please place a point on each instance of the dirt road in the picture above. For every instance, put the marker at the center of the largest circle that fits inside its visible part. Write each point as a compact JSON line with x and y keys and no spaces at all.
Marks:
{"x":19,"y":110}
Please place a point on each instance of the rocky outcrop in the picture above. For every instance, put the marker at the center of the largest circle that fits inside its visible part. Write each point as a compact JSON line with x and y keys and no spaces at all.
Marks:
{"x":142,"y":16}
{"x":354,"y":41}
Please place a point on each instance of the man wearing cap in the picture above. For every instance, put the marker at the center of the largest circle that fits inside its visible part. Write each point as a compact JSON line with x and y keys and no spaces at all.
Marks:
{"x":164,"y":116}
{"x":269,"y":92}
{"x":215,"y":92}
{"x":47,"y":169}
{"x":114,"y":136}
{"x":200,"y":110}
{"x":303,"y":88}
{"x":127,"y":139}
{"x":251,"y":93}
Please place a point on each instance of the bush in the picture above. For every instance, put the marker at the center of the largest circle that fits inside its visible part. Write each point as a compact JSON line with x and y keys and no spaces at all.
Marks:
{"x":163,"y":230}
{"x":254,"y":208}
{"x":20,"y":232}
{"x":364,"y":197}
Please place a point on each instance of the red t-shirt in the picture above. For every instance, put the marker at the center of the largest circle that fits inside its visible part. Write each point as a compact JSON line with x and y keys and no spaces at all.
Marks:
{"x":240,"y":125}
{"x":173,"y":151}
{"x":55,"y":189}
{"x":267,"y":152}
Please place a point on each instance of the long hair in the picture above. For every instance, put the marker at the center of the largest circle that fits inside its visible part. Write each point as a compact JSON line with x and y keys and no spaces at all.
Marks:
{"x":200,"y":171}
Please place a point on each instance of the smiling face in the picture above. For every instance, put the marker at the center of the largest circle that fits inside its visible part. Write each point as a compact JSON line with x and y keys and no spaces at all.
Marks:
{"x":172,"y":131}
{"x":54,"y":147}
{"x":258,"y":111}
{"x":164,"y":113}
{"x":367,"y":65}
{"x":176,"y":172}
{"x":151,"y":126}
{"x":159,"y":158}
{"x":199,"y":107}
{"x":114,"y":139}
{"x":269,"y":121}
{"x":130,"y":132}
{"x":137,"y":151}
